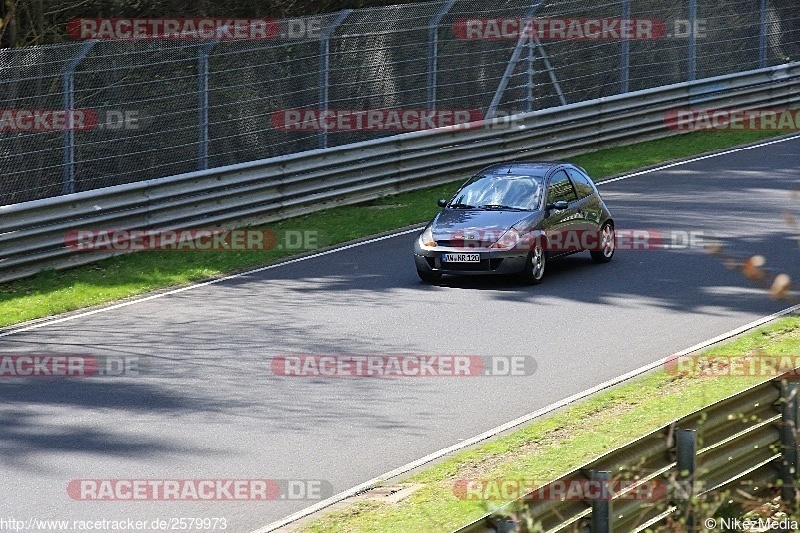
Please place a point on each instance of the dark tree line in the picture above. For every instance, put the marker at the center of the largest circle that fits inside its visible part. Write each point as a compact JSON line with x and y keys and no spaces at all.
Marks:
{"x":32,"y":22}
{"x":35,"y":22}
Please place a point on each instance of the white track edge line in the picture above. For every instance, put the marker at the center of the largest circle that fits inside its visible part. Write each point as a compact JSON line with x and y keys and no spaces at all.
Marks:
{"x":209,"y":282}
{"x":342,"y":248}
{"x":699,"y":158}
{"x":521,"y":420}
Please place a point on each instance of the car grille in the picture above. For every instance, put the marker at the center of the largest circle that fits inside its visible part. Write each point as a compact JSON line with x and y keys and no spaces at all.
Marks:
{"x":461,"y":243}
{"x":487,"y":265}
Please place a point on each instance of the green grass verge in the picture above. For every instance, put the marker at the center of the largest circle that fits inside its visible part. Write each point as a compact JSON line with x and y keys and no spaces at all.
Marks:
{"x":548,"y":448}
{"x":53,"y":292}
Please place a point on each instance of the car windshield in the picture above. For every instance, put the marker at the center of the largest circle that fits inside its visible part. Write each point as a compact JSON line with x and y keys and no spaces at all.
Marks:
{"x":499,"y":191}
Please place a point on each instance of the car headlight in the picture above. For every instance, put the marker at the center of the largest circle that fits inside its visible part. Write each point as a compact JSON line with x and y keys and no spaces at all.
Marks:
{"x":426,"y":239}
{"x":508,"y":241}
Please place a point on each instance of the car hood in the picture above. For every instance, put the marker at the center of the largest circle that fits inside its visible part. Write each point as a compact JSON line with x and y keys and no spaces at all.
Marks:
{"x":455,"y":221}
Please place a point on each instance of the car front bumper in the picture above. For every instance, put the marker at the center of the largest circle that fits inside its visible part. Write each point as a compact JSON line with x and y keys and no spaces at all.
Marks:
{"x":492,"y":261}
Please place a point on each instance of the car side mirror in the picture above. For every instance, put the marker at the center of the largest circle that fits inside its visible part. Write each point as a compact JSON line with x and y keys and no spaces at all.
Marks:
{"x":442,"y":202}
{"x":558,"y":206}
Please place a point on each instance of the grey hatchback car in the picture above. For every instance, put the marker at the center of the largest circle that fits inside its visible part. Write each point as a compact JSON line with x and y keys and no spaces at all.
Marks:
{"x":511,"y":218}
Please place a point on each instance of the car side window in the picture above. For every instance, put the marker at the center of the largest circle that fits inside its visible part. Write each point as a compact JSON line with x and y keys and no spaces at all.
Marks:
{"x":560,"y":189}
{"x":582,"y":183}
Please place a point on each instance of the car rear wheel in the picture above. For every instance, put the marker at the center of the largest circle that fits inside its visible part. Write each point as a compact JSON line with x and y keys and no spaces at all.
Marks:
{"x":535,"y":265}
{"x":429,"y":276}
{"x":607,"y":244}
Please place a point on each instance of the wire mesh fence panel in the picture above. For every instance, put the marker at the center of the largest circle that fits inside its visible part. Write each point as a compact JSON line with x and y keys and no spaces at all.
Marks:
{"x":472,"y":57}
{"x":379,"y":62}
{"x":255,"y":86}
{"x":32,"y":158}
{"x":144,"y":95}
{"x":664,"y":59}
{"x":103,"y":112}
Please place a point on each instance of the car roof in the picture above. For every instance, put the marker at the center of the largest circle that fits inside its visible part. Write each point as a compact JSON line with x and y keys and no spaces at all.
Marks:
{"x":533,"y":168}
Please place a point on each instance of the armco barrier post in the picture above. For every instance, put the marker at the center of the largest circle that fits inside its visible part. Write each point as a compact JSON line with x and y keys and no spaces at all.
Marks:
{"x":69,"y":104}
{"x":325,"y":71}
{"x":601,"y":507}
{"x":687,"y":462}
{"x":789,"y":423}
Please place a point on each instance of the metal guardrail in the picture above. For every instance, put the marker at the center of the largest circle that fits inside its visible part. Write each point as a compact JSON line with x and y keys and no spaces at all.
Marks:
{"x":747,"y":441}
{"x":32,"y":234}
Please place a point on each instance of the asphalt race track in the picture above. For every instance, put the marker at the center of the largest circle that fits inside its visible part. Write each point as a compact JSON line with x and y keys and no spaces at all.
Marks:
{"x":215,"y":411}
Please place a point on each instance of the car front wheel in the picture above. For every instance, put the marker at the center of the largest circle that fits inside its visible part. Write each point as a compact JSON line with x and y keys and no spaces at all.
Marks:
{"x":534,"y":266}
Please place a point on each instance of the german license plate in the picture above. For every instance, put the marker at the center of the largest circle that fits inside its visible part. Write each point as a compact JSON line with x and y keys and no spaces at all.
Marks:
{"x":461,"y":258}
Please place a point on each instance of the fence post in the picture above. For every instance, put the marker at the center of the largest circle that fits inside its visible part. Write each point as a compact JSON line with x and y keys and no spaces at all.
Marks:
{"x":324,"y":72}
{"x":433,"y":52}
{"x":601,"y":507}
{"x":692,"y":40}
{"x":512,"y":64}
{"x":762,"y":37}
{"x":68,"y":86}
{"x":687,"y":463}
{"x":626,"y":50}
{"x":528,"y":106}
{"x":550,"y":71}
{"x":789,"y":424}
{"x":202,"y":82}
